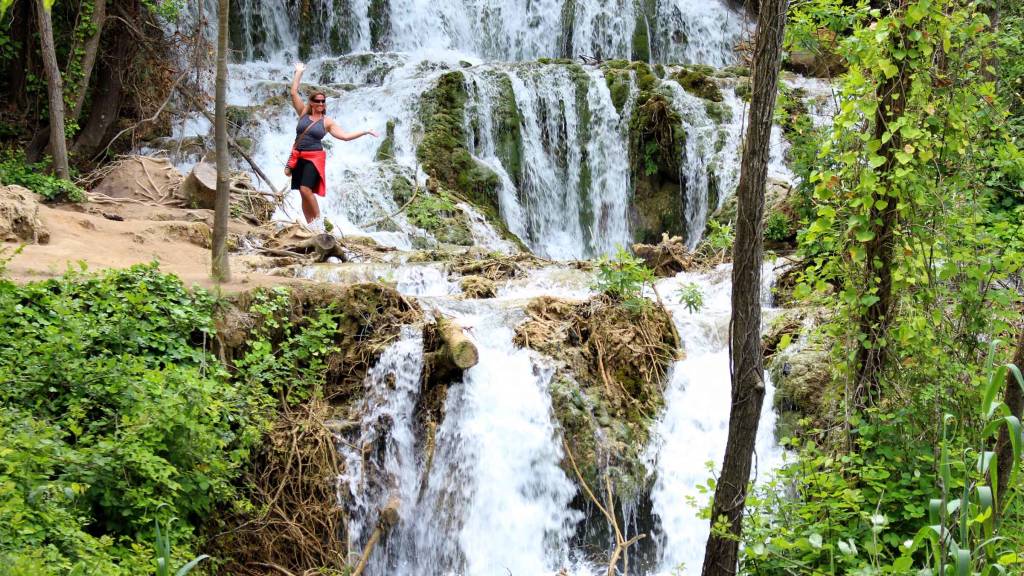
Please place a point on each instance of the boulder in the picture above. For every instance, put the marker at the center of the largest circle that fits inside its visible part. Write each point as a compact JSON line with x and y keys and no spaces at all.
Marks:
{"x":142,"y":178}
{"x":19,"y":216}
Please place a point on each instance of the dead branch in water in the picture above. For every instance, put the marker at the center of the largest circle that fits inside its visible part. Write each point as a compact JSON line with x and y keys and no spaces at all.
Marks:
{"x":621,"y":543}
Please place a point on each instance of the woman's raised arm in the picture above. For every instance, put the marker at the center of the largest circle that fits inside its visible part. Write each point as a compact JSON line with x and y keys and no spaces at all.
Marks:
{"x":297,"y":102}
{"x":335,"y":129}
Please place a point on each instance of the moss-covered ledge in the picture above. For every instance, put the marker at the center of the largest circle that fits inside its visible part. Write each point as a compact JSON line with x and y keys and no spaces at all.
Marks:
{"x":608,"y":389}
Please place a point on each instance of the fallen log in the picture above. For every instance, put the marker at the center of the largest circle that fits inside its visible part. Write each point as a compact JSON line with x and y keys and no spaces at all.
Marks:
{"x":320,"y":247}
{"x":459,"y":347}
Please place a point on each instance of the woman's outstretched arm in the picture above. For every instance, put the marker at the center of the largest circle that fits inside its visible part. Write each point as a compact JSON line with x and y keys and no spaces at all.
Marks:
{"x":297,"y":102}
{"x":335,"y":129}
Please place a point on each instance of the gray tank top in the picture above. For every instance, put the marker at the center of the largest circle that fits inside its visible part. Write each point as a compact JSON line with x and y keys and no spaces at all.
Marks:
{"x":311,"y":140}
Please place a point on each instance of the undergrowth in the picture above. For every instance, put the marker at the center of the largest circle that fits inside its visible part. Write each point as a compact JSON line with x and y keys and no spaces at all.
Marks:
{"x":14,"y":169}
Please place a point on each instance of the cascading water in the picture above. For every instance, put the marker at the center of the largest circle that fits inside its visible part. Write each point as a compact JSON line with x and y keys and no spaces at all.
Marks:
{"x":697,"y":406}
{"x":493,"y":497}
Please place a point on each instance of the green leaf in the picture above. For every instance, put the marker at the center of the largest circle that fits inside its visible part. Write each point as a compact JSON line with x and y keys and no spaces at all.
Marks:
{"x":865,"y":235}
{"x":875,"y":160}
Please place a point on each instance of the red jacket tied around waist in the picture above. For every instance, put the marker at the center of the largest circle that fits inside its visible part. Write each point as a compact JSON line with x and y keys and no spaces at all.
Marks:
{"x":319,"y":159}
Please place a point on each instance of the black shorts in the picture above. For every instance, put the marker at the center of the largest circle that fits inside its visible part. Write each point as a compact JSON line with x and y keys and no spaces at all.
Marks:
{"x":305,"y":174}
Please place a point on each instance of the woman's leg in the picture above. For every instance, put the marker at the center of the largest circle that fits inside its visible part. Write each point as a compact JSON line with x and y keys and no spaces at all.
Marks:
{"x":310,"y":208}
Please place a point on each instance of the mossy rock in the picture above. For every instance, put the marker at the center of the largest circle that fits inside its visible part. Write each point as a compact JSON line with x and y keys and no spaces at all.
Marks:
{"x":619,"y":84}
{"x":386,"y":150}
{"x":443,"y":151}
{"x":802,"y":371}
{"x":743,"y":89}
{"x":508,"y":139}
{"x":718,"y":112}
{"x":607,"y":393}
{"x":698,"y":80}
{"x":656,"y":142}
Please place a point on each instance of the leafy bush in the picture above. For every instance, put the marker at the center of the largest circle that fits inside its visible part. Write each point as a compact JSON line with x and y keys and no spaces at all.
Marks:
{"x":141,"y":422}
{"x":624,"y":278}
{"x":776,"y":227}
{"x":15,"y":170}
{"x":691,"y":296}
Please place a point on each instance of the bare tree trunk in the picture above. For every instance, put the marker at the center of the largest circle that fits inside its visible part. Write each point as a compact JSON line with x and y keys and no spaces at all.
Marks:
{"x":221,"y":268}
{"x":92,"y":50}
{"x":721,"y":553}
{"x":55,"y":89}
{"x":1013,"y":397}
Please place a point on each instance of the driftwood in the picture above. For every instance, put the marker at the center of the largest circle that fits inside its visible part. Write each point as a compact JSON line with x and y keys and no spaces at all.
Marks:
{"x":666,"y":258}
{"x":388,"y":518}
{"x":320,"y":247}
{"x":460,"y":349}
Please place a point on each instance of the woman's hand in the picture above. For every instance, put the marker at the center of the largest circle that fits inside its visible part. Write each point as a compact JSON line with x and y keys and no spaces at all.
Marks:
{"x":372,"y":133}
{"x":299,"y":68}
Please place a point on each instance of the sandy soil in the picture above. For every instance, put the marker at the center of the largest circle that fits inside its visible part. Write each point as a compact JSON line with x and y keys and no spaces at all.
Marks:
{"x":174,"y":237}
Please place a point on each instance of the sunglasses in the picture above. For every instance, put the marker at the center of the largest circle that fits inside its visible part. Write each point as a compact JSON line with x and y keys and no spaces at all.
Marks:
{"x":321,"y":101}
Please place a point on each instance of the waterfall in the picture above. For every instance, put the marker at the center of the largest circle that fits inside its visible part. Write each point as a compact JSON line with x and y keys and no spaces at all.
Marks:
{"x":697,"y":406}
{"x":494,"y":498}
{"x":697,"y":31}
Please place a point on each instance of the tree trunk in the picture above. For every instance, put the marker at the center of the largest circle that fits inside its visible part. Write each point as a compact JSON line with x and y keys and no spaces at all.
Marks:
{"x":875,"y":320}
{"x":1013,"y":397}
{"x":221,"y":268}
{"x":106,"y":102}
{"x":92,"y":50}
{"x":747,"y":370}
{"x":55,"y":89}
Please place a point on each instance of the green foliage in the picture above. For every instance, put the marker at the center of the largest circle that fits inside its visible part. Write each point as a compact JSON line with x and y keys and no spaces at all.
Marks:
{"x":15,"y":170}
{"x":287,"y":359}
{"x":428,"y":210}
{"x":777,"y":227}
{"x":624,"y":277}
{"x":113,"y":415}
{"x":164,"y":558}
{"x":691,"y":296}
{"x":719,"y":237}
{"x":891,"y":506}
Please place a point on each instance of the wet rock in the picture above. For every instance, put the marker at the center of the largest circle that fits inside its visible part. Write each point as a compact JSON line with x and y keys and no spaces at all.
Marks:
{"x":608,"y":389}
{"x":799,"y":361}
{"x":19,"y":216}
{"x":656,"y":140}
{"x":699,"y":81}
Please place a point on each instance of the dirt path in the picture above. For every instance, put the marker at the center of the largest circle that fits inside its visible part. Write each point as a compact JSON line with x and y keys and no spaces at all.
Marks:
{"x":176,"y":238}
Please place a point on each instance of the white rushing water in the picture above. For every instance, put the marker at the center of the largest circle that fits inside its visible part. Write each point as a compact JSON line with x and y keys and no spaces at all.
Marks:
{"x":693,"y":432}
{"x":494,"y":500}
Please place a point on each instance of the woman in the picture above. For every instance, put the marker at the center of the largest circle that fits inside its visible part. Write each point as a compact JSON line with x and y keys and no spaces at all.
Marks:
{"x":308,"y":159}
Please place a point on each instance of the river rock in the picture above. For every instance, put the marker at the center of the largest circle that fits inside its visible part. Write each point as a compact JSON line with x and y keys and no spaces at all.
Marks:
{"x":19,"y":216}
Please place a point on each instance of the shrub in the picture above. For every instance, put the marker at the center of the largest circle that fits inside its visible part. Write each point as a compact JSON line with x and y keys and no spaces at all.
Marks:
{"x":691,"y":296}
{"x":624,"y":278}
{"x":114,"y":415}
{"x":15,"y":170}
{"x":776,"y":227}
